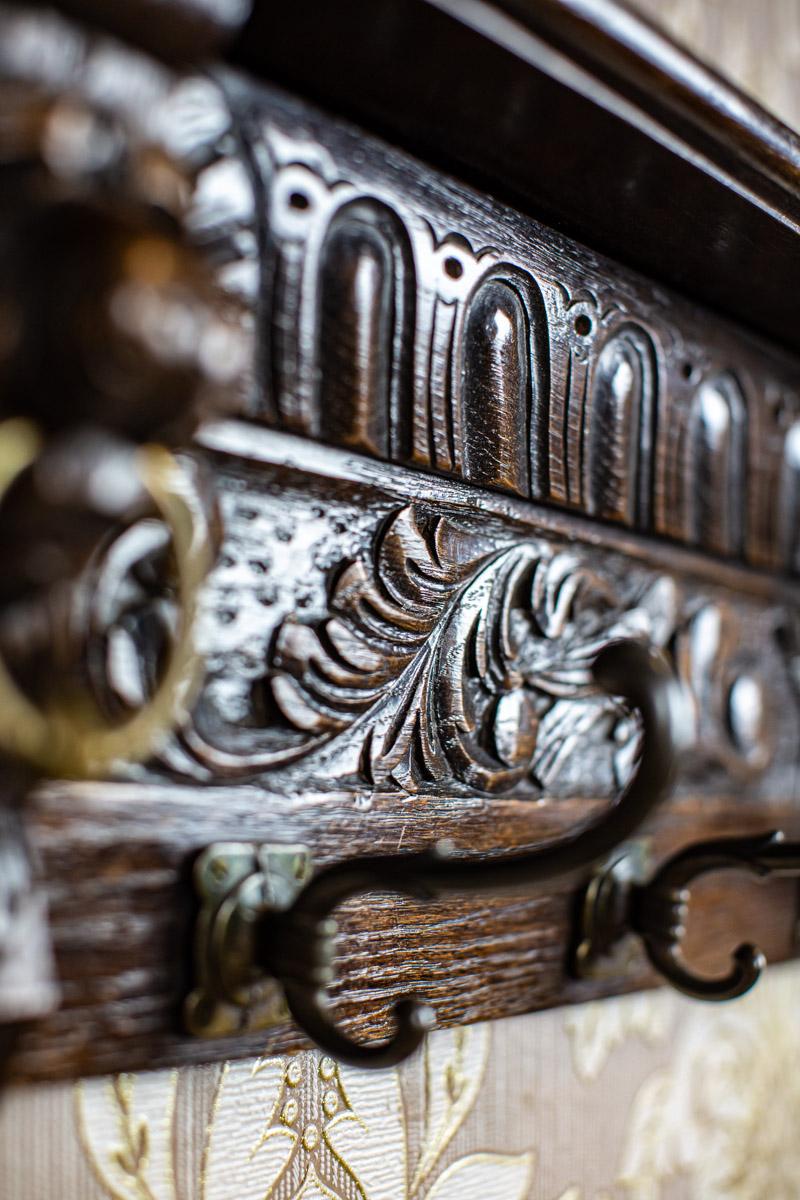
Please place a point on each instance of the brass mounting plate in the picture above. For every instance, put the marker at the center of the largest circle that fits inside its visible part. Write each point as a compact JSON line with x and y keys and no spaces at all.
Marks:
{"x":236,"y":882}
{"x":606,"y":947}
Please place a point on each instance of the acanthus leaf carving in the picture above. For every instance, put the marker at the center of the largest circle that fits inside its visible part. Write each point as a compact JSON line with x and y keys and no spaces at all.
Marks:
{"x":447,"y":660}
{"x":450,"y":657}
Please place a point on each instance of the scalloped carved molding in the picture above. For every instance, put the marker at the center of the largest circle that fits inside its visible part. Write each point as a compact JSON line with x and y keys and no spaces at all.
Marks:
{"x":404,"y":315}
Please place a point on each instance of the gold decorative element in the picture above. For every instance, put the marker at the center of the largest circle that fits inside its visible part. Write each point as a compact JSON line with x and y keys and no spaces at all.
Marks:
{"x":125,"y":1127}
{"x":669,"y":1098}
{"x":71,"y":738}
{"x":454,"y":1066}
{"x":478,"y":1176}
{"x":19,"y":445}
{"x":304,"y":1112}
{"x":342,"y":1133}
{"x":452,"y":1082}
{"x":304,"y":1128}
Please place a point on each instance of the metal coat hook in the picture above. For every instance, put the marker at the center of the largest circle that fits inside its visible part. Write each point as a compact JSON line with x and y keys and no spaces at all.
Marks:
{"x":296,"y":946}
{"x":657,"y":911}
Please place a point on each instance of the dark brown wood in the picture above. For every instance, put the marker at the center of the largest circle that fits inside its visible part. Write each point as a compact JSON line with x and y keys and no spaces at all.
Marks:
{"x":368,"y":624}
{"x":118,"y":856}
{"x":468,"y":452}
{"x":180,"y":32}
{"x":579,"y":113}
{"x":121,"y":914}
{"x":481,"y":344}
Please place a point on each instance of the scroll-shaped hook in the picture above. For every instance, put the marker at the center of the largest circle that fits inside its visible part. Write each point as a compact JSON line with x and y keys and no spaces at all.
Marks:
{"x":296,"y":946}
{"x":658,"y":909}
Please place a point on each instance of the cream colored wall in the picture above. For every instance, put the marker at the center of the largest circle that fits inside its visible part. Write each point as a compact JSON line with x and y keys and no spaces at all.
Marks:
{"x":755,"y":43}
{"x":650,"y":1097}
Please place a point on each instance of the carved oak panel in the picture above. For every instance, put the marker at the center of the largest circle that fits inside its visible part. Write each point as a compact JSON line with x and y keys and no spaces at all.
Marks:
{"x":392,"y":660}
{"x":403,"y":314}
{"x":364,"y":628}
{"x":466,"y":453}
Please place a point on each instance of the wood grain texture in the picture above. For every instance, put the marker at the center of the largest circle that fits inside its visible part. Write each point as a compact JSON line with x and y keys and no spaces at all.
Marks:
{"x":529,"y":451}
{"x":121,"y":917}
{"x":117,"y":856}
{"x":121,"y":914}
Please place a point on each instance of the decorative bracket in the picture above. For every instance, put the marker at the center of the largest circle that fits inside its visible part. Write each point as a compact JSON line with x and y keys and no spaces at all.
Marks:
{"x":237,"y":883}
{"x":618,"y":903}
{"x":607,"y":947}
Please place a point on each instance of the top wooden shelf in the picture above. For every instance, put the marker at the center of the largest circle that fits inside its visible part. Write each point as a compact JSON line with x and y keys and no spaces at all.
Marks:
{"x":579,"y":112}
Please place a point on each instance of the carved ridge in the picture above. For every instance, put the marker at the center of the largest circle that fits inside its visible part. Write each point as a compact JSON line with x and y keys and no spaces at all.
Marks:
{"x":443,"y":661}
{"x":449,"y":658}
{"x":516,"y":398}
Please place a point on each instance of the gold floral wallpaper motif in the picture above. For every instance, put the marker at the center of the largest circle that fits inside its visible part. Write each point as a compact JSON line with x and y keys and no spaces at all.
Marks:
{"x":304,"y":1127}
{"x":648,"y":1097}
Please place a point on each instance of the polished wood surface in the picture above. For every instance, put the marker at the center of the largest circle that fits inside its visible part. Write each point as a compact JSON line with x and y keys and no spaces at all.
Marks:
{"x":447,"y":448}
{"x":581,"y":114}
{"x":270,"y":757}
{"x":122,"y":916}
{"x":403,"y":314}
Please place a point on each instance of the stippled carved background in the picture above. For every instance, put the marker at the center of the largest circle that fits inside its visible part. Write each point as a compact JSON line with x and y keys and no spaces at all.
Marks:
{"x":356,"y":636}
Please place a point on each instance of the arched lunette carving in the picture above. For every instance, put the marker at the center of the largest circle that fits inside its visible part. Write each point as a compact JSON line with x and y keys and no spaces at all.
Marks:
{"x":789,"y":506}
{"x":717,"y":467}
{"x":296,"y":947}
{"x":365,"y":328}
{"x":619,"y":434}
{"x":617,"y":352}
{"x":505,"y":385}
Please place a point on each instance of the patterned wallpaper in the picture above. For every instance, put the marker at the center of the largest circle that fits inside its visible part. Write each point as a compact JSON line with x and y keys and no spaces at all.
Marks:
{"x":650,"y":1097}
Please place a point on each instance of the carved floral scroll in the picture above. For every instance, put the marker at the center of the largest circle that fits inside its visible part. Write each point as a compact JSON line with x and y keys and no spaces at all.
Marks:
{"x":444,"y":657}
